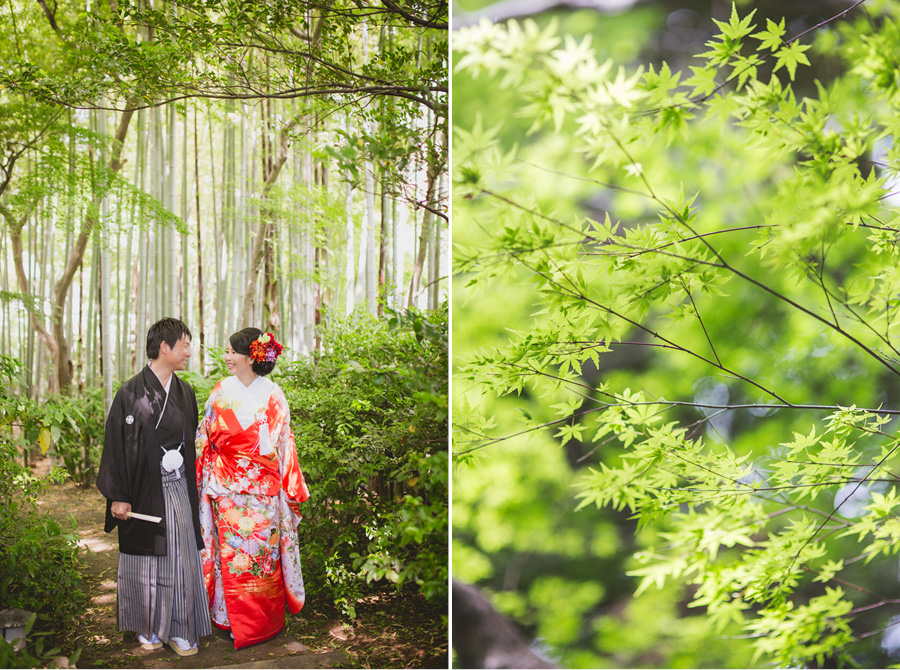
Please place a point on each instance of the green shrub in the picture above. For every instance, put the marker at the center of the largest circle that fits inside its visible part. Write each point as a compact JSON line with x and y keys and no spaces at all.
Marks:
{"x":39,"y":570}
{"x":33,"y":654}
{"x":369,"y":414}
{"x":76,"y":424}
{"x":203,"y":384}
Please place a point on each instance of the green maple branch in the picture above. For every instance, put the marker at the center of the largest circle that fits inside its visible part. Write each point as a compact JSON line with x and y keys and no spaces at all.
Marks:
{"x":736,"y":74}
{"x":668,"y":343}
{"x":819,"y":274}
{"x":530,"y":371}
{"x":837,"y":507}
{"x":738,"y":273}
{"x":579,"y":295}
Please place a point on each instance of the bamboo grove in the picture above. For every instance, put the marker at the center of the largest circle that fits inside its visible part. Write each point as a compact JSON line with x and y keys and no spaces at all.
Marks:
{"x":228,"y":163}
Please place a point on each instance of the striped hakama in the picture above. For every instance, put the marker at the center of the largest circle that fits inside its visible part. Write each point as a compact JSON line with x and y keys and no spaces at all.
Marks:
{"x":166,"y":595}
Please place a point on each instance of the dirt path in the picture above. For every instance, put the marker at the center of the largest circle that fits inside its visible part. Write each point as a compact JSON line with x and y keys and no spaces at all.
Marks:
{"x":310,"y":640}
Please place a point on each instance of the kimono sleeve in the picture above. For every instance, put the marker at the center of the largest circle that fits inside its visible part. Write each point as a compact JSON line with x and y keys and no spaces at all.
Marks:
{"x":292,"y":480}
{"x":112,"y":476}
{"x":202,"y":446}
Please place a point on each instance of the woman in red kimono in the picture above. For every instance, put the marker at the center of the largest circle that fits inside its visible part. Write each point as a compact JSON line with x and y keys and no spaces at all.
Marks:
{"x":250,"y":487}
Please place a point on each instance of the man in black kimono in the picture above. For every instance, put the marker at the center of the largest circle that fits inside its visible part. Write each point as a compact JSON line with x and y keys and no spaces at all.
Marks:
{"x":147,"y":468}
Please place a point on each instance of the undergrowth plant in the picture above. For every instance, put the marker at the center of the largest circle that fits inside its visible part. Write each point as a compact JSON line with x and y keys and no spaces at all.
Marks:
{"x":369,"y":414}
{"x":39,"y":569}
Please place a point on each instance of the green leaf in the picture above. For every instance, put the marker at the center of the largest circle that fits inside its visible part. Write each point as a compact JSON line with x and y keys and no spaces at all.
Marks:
{"x":789,"y":56}
{"x":772,"y":37}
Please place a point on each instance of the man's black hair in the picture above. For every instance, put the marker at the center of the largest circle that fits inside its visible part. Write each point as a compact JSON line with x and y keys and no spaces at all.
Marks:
{"x":166,"y":330}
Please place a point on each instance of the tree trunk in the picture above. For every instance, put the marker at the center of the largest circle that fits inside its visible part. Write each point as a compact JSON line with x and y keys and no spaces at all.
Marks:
{"x":360,"y":290}
{"x":128,"y":276}
{"x":47,"y":254}
{"x":15,"y":237}
{"x":423,"y":248}
{"x":143,"y":260}
{"x":5,"y":335}
{"x":308,"y":287}
{"x":257,"y":254}
{"x":80,"y":322}
{"x":484,"y":638}
{"x":239,"y":218}
{"x":270,"y":279}
{"x":233,"y":218}
{"x":93,"y":304}
{"x":70,"y":231}
{"x":312,"y":293}
{"x":396,"y":260}
{"x":435,"y":245}
{"x":431,"y":203}
{"x":157,"y":275}
{"x":320,"y":267}
{"x":185,"y":313}
{"x":170,"y":234}
{"x":64,"y":375}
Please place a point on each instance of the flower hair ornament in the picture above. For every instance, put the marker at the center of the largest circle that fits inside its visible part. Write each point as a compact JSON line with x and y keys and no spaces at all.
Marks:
{"x":265,"y":349}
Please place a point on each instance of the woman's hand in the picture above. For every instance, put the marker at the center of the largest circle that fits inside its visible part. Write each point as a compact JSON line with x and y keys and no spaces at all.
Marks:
{"x":120,"y":510}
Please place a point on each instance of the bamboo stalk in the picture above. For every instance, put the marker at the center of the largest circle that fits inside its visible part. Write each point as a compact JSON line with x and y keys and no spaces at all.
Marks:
{"x":185,"y":312}
{"x":142,"y":269}
{"x":396,"y":260}
{"x":201,"y":326}
{"x":106,"y":338}
{"x":171,"y":249}
{"x":218,"y":236}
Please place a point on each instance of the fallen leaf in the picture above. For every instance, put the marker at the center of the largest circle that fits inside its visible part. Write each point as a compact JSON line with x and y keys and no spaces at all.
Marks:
{"x":338,"y":633}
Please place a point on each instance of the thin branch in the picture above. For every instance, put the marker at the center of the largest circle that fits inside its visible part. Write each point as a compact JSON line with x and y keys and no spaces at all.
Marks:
{"x":668,"y":404}
{"x":412,"y":18}
{"x":51,"y":19}
{"x":702,"y":325}
{"x":850,"y":585}
{"x":407,"y":92}
{"x":826,"y":21}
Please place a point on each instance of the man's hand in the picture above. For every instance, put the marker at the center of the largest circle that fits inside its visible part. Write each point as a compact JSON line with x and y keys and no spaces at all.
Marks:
{"x":120,"y":510}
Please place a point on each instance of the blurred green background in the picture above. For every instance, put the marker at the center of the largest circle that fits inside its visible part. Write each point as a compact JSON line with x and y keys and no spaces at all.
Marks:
{"x":559,"y":573}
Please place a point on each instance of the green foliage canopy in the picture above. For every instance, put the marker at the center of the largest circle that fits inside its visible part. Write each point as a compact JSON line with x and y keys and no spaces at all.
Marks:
{"x":128,"y":55}
{"x":229,"y":50}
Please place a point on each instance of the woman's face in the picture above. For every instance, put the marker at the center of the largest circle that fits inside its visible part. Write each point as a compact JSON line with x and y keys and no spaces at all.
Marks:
{"x":236,"y":363}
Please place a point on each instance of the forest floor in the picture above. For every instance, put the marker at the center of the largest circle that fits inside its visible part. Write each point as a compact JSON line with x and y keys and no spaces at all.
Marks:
{"x":392,"y":630}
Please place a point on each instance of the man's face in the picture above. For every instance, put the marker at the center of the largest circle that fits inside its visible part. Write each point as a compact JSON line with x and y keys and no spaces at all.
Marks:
{"x":178,"y":355}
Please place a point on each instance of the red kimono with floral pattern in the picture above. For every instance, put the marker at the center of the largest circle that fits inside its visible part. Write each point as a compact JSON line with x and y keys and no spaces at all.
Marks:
{"x":250,"y":487}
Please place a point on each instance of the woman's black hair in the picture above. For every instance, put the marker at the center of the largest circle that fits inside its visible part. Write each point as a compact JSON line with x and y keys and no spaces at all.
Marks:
{"x":166,"y":330}
{"x":240,"y":342}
